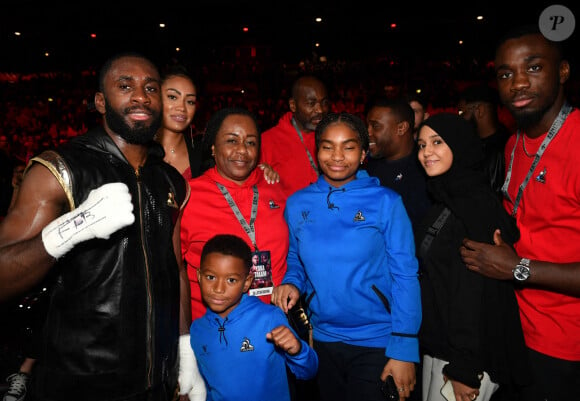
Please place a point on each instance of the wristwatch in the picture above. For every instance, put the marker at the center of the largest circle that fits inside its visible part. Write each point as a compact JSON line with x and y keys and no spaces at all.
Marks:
{"x":522,"y":270}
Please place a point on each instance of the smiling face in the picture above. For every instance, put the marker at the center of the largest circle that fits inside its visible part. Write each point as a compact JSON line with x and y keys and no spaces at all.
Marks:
{"x":434,"y":154}
{"x":383,"y":130}
{"x":236,"y":148}
{"x":339,"y":154}
{"x":223,"y":279}
{"x":131,"y":101}
{"x":179,"y":102}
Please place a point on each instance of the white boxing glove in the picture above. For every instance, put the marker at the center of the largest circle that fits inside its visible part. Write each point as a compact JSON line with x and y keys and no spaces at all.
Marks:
{"x":106,"y":210}
{"x":190,"y":380}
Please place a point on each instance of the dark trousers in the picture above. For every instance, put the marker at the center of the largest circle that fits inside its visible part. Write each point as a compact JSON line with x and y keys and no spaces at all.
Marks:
{"x":348,"y":372}
{"x":302,"y":390}
{"x":155,"y":394}
{"x":553,"y":379}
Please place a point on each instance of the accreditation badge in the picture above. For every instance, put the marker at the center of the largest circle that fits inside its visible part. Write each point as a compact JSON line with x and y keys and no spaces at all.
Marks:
{"x":262,"y":270}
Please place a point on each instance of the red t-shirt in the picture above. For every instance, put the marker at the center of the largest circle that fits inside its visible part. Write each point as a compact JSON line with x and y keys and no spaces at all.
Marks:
{"x":548,"y":217}
{"x":208,"y":213}
{"x":282,"y":149}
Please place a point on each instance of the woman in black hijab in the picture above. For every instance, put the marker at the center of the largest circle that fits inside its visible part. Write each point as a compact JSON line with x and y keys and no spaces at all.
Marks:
{"x":471,"y":331}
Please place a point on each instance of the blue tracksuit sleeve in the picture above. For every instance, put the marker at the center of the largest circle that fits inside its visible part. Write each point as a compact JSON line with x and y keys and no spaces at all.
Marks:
{"x":304,"y":364}
{"x":406,"y":293}
{"x":295,"y":273}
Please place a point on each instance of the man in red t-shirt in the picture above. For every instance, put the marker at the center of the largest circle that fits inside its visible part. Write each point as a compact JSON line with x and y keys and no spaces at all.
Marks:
{"x":541,"y":191}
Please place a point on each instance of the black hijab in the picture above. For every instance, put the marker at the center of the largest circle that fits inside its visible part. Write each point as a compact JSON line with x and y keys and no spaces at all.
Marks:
{"x":464,"y":189}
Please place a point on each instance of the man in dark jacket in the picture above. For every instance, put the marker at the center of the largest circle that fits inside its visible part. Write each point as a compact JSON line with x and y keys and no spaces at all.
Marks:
{"x":479,"y":105}
{"x":103,"y":212}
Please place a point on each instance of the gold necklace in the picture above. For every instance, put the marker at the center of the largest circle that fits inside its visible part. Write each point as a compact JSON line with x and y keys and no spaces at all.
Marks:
{"x":525,"y":150}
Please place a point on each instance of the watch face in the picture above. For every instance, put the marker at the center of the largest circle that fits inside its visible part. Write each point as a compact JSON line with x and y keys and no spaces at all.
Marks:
{"x":521,"y":273}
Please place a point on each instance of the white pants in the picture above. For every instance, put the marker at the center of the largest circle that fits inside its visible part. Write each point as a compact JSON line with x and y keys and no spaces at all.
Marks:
{"x":433,"y":381}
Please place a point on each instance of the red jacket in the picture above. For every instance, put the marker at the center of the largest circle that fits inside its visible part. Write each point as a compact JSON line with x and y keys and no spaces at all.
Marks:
{"x":207,"y":213}
{"x":282,"y":149}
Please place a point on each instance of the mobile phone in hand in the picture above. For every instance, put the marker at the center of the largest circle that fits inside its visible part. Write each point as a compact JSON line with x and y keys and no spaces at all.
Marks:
{"x":389,"y":389}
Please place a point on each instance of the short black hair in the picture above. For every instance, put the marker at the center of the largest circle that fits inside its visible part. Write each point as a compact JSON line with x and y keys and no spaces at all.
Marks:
{"x":530,"y":29}
{"x":400,"y":107}
{"x":106,"y":67}
{"x":354,"y":122}
{"x":228,"y":244}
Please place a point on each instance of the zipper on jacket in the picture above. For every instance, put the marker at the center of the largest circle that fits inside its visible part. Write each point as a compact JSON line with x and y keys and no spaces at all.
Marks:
{"x":383,"y":298}
{"x":148,"y":282}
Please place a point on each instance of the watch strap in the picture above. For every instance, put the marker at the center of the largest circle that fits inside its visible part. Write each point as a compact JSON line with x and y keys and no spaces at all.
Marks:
{"x":525,"y":262}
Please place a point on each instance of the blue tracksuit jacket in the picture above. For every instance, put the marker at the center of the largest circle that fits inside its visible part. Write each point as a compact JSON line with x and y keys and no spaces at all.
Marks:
{"x":352,"y":253}
{"x":236,"y":360}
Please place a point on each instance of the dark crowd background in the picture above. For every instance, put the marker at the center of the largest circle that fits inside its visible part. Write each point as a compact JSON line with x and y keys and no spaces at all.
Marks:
{"x":48,"y":73}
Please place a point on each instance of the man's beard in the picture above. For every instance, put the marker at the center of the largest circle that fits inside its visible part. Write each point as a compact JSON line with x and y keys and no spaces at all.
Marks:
{"x":139,"y":133}
{"x":527,"y":119}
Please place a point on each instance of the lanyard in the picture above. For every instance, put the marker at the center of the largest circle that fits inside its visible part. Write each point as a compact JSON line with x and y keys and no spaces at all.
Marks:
{"x":248,"y":228}
{"x":556,"y":125}
{"x":307,"y":151}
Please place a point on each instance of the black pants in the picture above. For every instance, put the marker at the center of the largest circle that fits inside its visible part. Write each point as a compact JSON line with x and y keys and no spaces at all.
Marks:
{"x":158,"y":393}
{"x":554,"y":379}
{"x":348,"y":372}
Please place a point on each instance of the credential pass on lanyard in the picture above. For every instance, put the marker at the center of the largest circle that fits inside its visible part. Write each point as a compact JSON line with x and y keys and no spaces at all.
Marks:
{"x":556,"y":125}
{"x":307,"y":151}
{"x":248,"y":228}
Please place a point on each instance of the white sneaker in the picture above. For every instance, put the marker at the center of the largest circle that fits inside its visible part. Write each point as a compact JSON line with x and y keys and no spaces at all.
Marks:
{"x":16,"y":387}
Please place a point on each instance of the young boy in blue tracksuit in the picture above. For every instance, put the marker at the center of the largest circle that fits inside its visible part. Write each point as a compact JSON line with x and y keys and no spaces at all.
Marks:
{"x":242,"y":344}
{"x":352,"y":256}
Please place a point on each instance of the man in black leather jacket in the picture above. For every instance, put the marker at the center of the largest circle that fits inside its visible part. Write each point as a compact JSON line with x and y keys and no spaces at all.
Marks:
{"x":103,"y":211}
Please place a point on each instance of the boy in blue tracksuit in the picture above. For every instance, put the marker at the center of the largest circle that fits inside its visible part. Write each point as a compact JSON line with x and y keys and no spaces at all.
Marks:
{"x":352,"y":256}
{"x":242,"y":344}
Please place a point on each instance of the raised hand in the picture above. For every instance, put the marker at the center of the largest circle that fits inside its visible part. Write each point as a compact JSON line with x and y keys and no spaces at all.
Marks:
{"x":106,"y":210}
